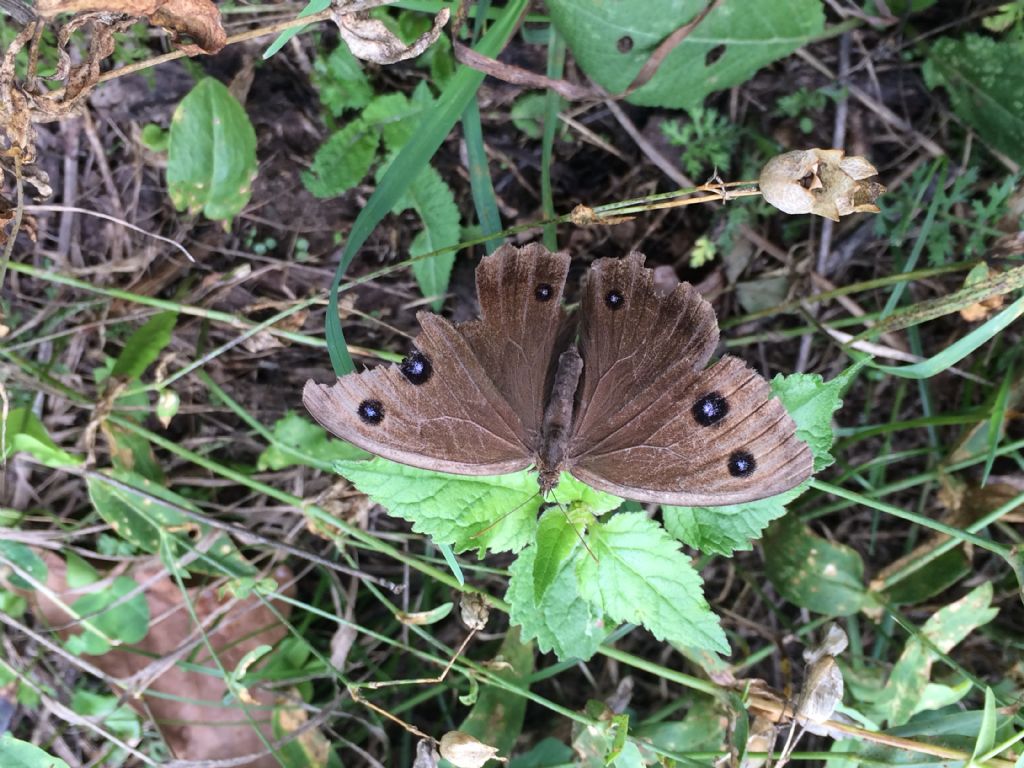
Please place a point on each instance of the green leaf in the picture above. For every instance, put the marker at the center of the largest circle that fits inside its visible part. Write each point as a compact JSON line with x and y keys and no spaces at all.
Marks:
{"x":298,"y":441}
{"x":397,"y":117}
{"x":612,"y":41}
{"x":557,"y":537}
{"x":724,"y":530}
{"x":434,"y":203}
{"x":120,"y":720}
{"x":112,"y":616}
{"x":79,"y":573}
{"x":341,"y":81}
{"x":903,"y":695}
{"x":211,"y":162}
{"x":313,"y":6}
{"x":497,"y":716}
{"x":155,"y":138}
{"x":25,"y":559}
{"x":812,"y":402}
{"x":987,"y":732}
{"x":497,"y":513}
{"x":131,"y":505}
{"x":561,"y":621}
{"x":813,"y":573}
{"x":15,"y":753}
{"x":24,"y":432}
{"x":343,"y":160}
{"x":929,"y":580}
{"x":985,"y":83}
{"x":641,"y":576}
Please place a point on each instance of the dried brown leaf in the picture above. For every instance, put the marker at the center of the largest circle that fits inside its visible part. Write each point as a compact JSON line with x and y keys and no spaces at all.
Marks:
{"x":369,"y":39}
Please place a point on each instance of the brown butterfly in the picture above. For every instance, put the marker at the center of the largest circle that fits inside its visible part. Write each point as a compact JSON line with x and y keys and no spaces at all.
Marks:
{"x":628,"y":407}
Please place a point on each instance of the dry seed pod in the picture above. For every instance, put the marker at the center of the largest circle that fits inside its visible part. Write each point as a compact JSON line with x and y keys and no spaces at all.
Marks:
{"x":820,"y":181}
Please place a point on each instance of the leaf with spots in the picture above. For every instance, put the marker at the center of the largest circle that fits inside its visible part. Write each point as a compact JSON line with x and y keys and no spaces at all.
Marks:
{"x":155,"y":519}
{"x":211,"y":159}
{"x":904,"y":694}
{"x":813,"y":573}
{"x":985,"y":83}
{"x":561,"y":620}
{"x":612,"y":43}
{"x":641,"y":576}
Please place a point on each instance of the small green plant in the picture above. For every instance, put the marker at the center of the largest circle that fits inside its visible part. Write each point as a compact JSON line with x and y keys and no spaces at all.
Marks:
{"x":708,"y":140}
{"x":799,"y":103}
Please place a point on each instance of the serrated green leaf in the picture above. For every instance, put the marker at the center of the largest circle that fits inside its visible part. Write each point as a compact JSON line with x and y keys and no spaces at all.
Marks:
{"x":986,"y":86}
{"x":24,"y":432}
{"x":341,"y":81}
{"x":398,"y":117}
{"x":612,"y":42}
{"x":724,"y":530}
{"x":556,"y":540}
{"x":343,"y":160}
{"x":496,"y":513}
{"x":145,"y":345}
{"x":300,"y":441}
{"x":211,"y":159}
{"x":822,"y":576}
{"x":15,"y":753}
{"x":641,"y":576}
{"x":562,"y":621}
{"x":25,"y":559}
{"x":434,"y":203}
{"x":811,"y":402}
{"x":111,"y":612}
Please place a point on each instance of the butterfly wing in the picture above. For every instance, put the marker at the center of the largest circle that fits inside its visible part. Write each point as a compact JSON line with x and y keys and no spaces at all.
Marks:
{"x":470,"y":398}
{"x":652,"y":424}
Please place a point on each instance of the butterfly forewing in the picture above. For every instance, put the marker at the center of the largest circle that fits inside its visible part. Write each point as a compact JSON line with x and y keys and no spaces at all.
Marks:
{"x":522,"y":327}
{"x":651,"y":424}
{"x":439,"y":410}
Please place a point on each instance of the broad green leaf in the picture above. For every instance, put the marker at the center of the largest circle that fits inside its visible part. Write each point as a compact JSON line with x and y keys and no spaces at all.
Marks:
{"x":145,"y":345}
{"x":434,"y":203}
{"x":211,"y":160}
{"x":557,"y":537}
{"x":22,"y":556}
{"x":15,"y":753}
{"x":120,"y":720}
{"x":947,"y":627}
{"x":497,"y":716}
{"x":811,"y":402}
{"x":398,"y":117}
{"x":119,"y":618}
{"x":808,"y":571}
{"x":547,"y":753}
{"x":724,"y":530}
{"x":343,"y":160}
{"x":131,"y":452}
{"x":929,"y":580}
{"x":702,"y":730}
{"x":612,"y":41}
{"x":131,"y":504}
{"x":985,"y":83}
{"x":24,"y":432}
{"x":79,"y":573}
{"x":496,"y":513}
{"x":641,"y":576}
{"x":341,"y":81}
{"x":562,"y":621}
{"x":299,"y":441}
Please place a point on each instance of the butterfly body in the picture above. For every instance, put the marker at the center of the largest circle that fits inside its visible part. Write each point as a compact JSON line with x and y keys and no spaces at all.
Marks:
{"x":628,"y":406}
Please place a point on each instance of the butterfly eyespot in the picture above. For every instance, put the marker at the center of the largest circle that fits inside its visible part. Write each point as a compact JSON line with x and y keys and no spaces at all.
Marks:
{"x":710,"y":409}
{"x":614,"y":299}
{"x":416,"y":368}
{"x":371,"y":412}
{"x":742,"y":464}
{"x":544,"y":292}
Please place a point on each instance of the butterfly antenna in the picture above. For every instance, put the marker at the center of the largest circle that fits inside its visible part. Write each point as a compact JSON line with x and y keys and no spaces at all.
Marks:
{"x":514,"y":509}
{"x":579,"y":535}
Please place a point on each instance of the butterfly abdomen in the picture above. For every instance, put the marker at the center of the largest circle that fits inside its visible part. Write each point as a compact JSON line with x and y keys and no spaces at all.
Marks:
{"x":558,"y":418}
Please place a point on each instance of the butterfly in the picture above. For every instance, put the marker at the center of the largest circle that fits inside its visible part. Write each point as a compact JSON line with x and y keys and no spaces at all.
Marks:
{"x":618,"y":395}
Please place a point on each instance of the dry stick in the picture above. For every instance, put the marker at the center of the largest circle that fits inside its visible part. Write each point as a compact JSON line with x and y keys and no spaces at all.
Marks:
{"x":655,"y":60}
{"x":520,"y":76}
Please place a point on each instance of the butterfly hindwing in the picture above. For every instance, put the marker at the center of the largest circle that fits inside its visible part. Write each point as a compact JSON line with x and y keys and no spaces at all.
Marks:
{"x":438,"y":410}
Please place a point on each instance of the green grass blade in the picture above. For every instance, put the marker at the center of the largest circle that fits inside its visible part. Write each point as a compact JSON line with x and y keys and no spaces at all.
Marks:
{"x":553,"y":105}
{"x":996,"y":421}
{"x":480,"y":176}
{"x":413,"y":157}
{"x":956,"y":352}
